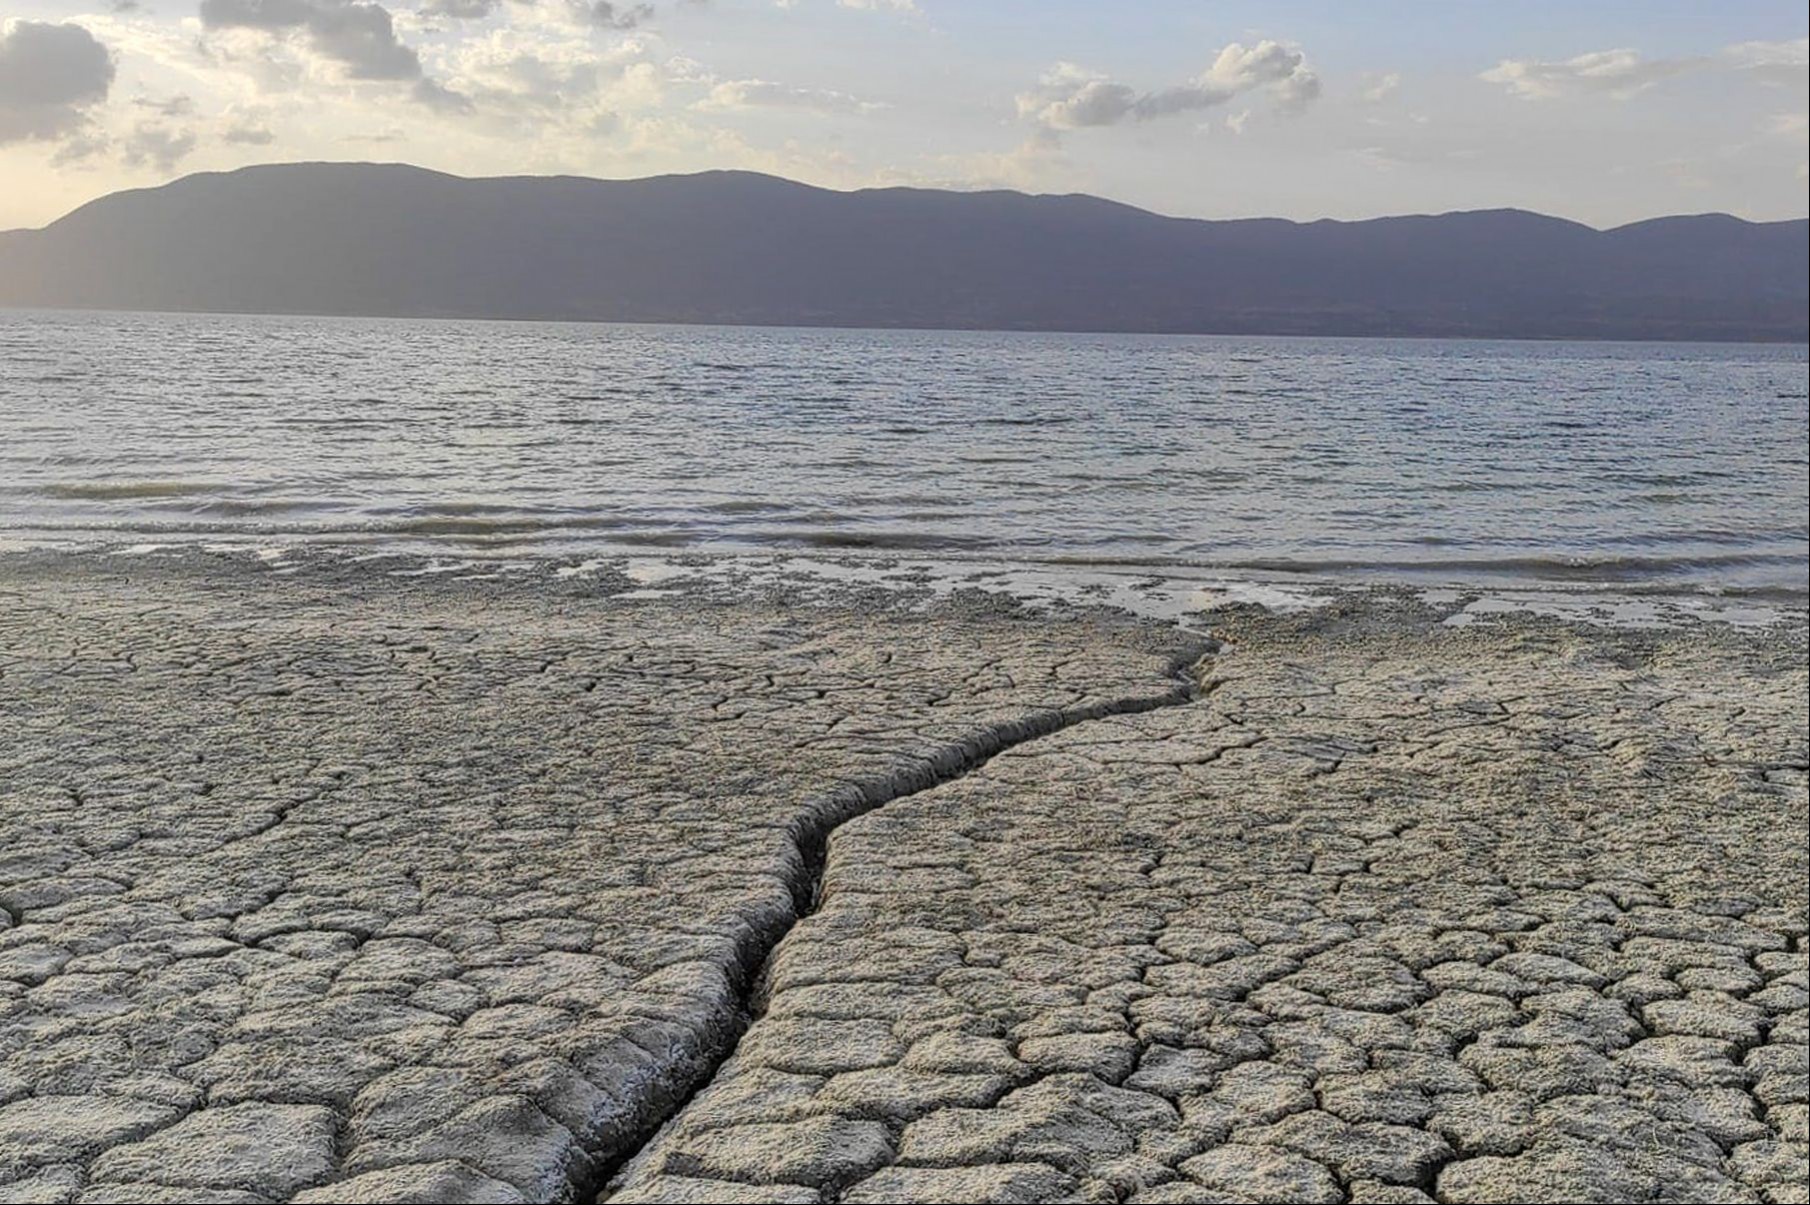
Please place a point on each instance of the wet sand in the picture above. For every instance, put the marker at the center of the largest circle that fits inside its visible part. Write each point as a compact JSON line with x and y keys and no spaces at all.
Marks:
{"x":321,"y":882}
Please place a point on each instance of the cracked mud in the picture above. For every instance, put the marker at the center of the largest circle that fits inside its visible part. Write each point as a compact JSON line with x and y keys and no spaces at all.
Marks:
{"x":331,"y":888}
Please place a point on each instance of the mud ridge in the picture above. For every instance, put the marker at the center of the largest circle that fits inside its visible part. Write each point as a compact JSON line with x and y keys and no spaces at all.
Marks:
{"x":823,"y":818}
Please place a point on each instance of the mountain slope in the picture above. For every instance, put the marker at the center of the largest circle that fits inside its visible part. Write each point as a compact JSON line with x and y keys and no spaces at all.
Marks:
{"x":735,"y":247}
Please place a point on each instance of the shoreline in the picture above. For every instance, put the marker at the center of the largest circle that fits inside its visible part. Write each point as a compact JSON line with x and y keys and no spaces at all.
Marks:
{"x":1161,"y":592}
{"x":500,"y":543}
{"x":346,"y":880}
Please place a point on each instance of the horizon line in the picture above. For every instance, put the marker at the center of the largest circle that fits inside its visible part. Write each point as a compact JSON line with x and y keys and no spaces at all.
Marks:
{"x":1086,"y":332}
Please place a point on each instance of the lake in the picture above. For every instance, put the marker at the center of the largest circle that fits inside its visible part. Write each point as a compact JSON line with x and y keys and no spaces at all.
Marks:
{"x":1668,"y":465}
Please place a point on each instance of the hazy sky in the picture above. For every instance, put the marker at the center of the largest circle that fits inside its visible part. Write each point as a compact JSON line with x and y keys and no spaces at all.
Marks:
{"x":1601,"y":111}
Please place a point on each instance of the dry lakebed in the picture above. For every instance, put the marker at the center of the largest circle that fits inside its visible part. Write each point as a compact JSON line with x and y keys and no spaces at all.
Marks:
{"x":334,"y":881}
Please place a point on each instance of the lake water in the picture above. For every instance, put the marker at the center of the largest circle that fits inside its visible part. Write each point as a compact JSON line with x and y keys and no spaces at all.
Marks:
{"x":1637,"y":464}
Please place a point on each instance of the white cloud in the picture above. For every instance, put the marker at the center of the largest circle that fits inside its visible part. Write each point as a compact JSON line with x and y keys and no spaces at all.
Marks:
{"x":1794,"y":127}
{"x":1786,"y":64}
{"x":1407,"y":155}
{"x":248,"y":134}
{"x":50,"y":77}
{"x":1623,"y":73}
{"x":1070,"y":97}
{"x":553,"y":81}
{"x":180,"y":105}
{"x":742,"y":94}
{"x":81,"y":149}
{"x":439,"y":97}
{"x":156,"y":146}
{"x":359,"y":36}
{"x":1380,"y":88}
{"x":1038,"y":162}
{"x":606,"y":15}
{"x":460,"y":10}
{"x":356,"y":36}
{"x":1620,"y":73}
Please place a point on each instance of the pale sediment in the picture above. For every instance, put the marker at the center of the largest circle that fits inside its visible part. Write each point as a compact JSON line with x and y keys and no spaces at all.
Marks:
{"x":378,"y":889}
{"x":1394,"y":913}
{"x":342,"y":888}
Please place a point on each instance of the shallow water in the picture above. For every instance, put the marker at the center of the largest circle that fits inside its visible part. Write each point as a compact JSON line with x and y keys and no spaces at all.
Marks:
{"x":1630,"y":464}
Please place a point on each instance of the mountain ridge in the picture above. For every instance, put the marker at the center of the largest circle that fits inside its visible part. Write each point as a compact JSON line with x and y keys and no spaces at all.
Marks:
{"x":743,"y":247}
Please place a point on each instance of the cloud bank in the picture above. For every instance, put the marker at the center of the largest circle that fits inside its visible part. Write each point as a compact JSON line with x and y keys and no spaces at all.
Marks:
{"x":357,"y":36}
{"x":1623,"y":72}
{"x":1069,"y":97}
{"x":50,"y":76}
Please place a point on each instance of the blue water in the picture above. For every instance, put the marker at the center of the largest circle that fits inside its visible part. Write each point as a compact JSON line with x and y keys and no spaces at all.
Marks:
{"x":1667,"y":464}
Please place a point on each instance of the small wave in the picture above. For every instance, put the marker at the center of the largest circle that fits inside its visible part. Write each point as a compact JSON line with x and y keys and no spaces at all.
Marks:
{"x":896,"y":541}
{"x":441,"y":510}
{"x":747,"y":506}
{"x":1557,"y":568}
{"x":336,"y":420}
{"x":654,"y":539}
{"x":1653,"y":573}
{"x":499,"y":525}
{"x":108,"y":491}
{"x":234,"y":507}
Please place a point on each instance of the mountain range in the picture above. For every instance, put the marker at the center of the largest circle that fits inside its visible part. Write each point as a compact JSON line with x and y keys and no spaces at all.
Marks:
{"x":739,"y":247}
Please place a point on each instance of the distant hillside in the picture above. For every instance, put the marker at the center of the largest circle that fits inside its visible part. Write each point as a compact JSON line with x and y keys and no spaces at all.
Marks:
{"x":734,"y":247}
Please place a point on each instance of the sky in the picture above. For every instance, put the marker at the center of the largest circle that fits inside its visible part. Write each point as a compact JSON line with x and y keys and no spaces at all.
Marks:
{"x":1605,"y":112}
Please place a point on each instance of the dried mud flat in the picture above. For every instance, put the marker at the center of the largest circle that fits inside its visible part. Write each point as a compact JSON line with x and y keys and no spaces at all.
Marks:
{"x":339,"y":886}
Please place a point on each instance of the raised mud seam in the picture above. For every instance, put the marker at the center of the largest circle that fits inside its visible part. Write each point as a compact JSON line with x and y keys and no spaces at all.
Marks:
{"x":811,"y":839}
